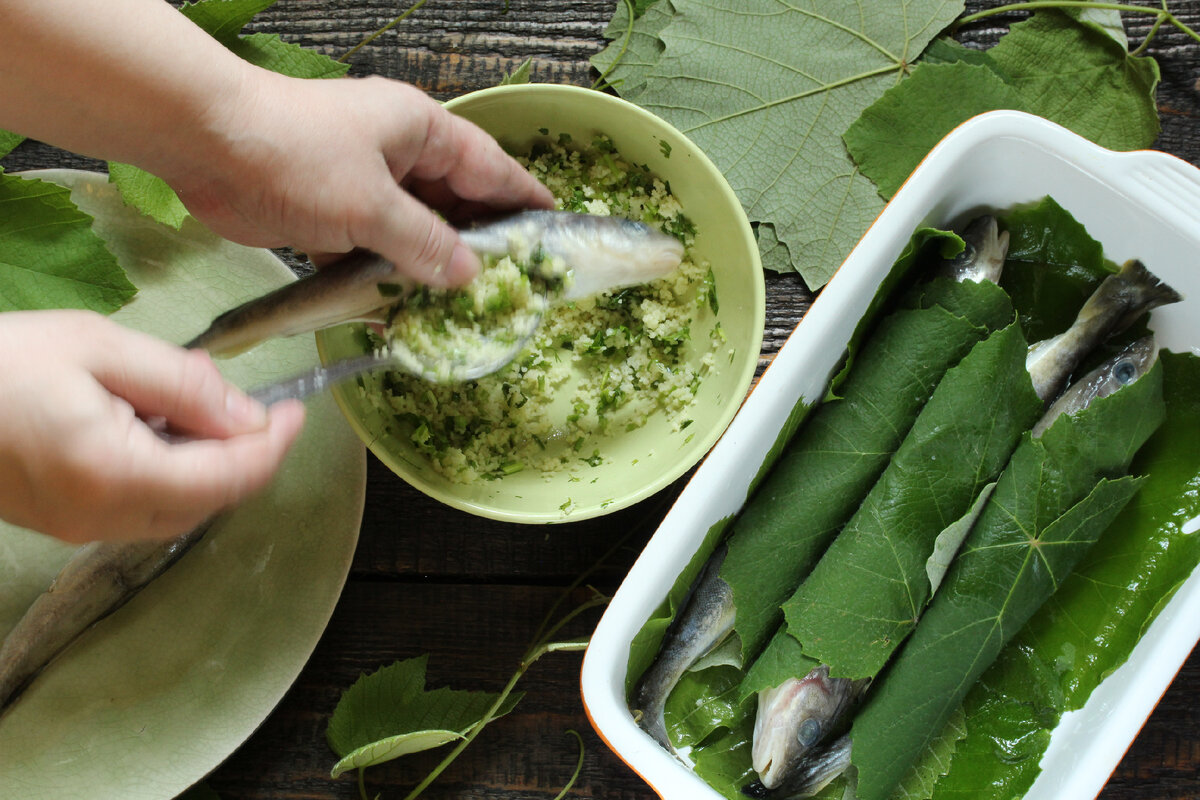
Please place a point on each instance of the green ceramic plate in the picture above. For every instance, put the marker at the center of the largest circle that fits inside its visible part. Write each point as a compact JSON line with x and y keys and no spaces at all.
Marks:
{"x":640,"y":462}
{"x":156,"y":695}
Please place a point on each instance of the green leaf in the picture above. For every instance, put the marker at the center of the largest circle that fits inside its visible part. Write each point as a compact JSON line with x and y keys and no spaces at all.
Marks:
{"x":268,"y":51}
{"x":1090,"y":625}
{"x":1052,"y":503}
{"x":9,"y":142}
{"x":870,"y":587}
{"x":1053,"y":266}
{"x":1071,"y":71}
{"x":822,"y":475}
{"x":518,"y":75}
{"x":389,"y":713}
{"x":633,"y":51}
{"x":1105,"y":94}
{"x":891,"y":137}
{"x":224,"y":19}
{"x":148,"y":194}
{"x":783,"y":82}
{"x":49,"y":255}
{"x":703,"y":702}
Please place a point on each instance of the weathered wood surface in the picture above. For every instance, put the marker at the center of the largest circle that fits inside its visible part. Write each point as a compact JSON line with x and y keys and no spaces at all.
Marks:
{"x":470,"y":591}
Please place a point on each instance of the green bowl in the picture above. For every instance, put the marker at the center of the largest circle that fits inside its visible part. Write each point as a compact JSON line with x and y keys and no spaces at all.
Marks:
{"x":636,"y":463}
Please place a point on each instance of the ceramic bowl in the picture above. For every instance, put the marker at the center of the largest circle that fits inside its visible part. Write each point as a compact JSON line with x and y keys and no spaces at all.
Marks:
{"x":1143,"y":204}
{"x":637,"y":463}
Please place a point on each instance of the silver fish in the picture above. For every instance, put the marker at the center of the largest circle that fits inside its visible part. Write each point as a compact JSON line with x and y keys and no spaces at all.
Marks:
{"x":811,"y":776}
{"x":1131,"y":363}
{"x":795,"y":717}
{"x":985,"y":247}
{"x":97,"y":580}
{"x":599,"y":253}
{"x":1117,"y":302}
{"x":708,"y":618}
{"x":703,"y":623}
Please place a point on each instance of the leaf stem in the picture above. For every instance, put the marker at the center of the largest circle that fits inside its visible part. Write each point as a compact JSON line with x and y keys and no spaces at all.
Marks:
{"x":1163,"y":15}
{"x":598,"y":83}
{"x":578,"y":767}
{"x":372,"y":37}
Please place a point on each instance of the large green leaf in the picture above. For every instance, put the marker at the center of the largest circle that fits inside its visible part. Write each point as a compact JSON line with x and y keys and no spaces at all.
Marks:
{"x":767,"y":88}
{"x":867,"y":592}
{"x":1068,"y":70}
{"x":1091,"y":624}
{"x":389,"y":713}
{"x":8,"y":141}
{"x":819,"y":480}
{"x":49,"y":256}
{"x":1052,"y":503}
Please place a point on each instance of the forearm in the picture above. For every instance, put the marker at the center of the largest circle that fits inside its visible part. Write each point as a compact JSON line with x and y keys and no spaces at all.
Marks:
{"x":123,"y":80}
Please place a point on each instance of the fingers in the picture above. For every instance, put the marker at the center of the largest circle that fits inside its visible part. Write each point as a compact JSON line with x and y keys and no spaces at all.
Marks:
{"x":162,"y":380}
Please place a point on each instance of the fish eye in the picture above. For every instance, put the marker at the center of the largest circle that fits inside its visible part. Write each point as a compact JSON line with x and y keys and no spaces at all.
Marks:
{"x":967,"y":255}
{"x":1125,"y":371}
{"x":809,"y":733}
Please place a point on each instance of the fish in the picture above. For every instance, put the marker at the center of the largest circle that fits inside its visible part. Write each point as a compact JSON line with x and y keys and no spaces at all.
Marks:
{"x":708,"y":618}
{"x":1116,"y":303}
{"x":597,"y":253}
{"x":985,"y":247}
{"x":702,"y":625}
{"x":797,"y":716}
{"x":98,"y":579}
{"x":811,"y":776}
{"x":1130,"y":363}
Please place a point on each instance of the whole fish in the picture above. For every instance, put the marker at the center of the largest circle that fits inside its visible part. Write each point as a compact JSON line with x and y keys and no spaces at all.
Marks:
{"x":598,"y":254}
{"x":1122,"y":369}
{"x":795,"y":717}
{"x":703,"y":623}
{"x":1113,"y":306}
{"x":97,"y":580}
{"x":707,"y":618}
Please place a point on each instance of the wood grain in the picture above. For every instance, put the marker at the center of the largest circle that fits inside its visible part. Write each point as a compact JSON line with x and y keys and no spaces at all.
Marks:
{"x":470,"y":591}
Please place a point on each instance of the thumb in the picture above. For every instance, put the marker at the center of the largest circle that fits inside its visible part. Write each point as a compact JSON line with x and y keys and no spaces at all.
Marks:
{"x":420,"y":244}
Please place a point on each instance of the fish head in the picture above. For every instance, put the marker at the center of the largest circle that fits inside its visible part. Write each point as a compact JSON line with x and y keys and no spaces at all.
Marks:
{"x":985,"y":247}
{"x":1127,"y":366}
{"x":792,"y":719}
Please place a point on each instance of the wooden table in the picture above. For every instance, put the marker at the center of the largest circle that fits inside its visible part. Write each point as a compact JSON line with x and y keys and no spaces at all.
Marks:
{"x":470,"y":591}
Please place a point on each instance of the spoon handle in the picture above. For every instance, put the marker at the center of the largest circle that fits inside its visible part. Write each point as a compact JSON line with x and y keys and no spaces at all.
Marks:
{"x":317,"y":379}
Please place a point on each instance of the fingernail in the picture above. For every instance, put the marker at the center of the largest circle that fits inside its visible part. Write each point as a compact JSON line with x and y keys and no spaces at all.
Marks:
{"x":245,"y":411}
{"x":463,"y":266}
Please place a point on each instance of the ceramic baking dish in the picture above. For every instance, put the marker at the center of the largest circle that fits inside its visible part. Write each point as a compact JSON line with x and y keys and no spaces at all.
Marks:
{"x":1144,"y":204}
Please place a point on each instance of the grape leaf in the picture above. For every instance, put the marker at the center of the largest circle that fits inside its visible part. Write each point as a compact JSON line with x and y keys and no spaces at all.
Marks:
{"x":1091,"y":624}
{"x":389,"y":713}
{"x":9,"y":141}
{"x":147,"y":193}
{"x":1055,"y":498}
{"x":819,"y":480}
{"x":49,"y":255}
{"x":636,"y":46}
{"x":1106,"y":94}
{"x":782,"y":82}
{"x":870,"y":587}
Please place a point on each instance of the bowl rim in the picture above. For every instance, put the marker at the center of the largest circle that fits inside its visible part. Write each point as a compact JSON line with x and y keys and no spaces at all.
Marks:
{"x":703,"y":441}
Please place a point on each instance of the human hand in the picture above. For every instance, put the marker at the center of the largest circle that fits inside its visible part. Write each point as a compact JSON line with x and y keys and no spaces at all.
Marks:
{"x":330,"y":165}
{"x":78,"y":462}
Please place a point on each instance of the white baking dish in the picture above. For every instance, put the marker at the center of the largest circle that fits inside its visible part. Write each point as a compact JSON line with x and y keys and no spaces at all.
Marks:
{"x":1144,"y":204}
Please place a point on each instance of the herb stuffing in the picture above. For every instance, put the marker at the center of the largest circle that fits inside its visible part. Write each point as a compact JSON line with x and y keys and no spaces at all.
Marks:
{"x":596,"y":366}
